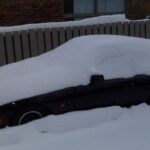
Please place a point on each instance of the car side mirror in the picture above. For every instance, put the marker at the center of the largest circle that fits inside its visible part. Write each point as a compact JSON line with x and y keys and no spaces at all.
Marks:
{"x":96,"y":79}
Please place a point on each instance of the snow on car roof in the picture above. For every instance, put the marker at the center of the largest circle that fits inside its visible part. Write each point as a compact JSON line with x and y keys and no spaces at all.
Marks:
{"x":73,"y":63}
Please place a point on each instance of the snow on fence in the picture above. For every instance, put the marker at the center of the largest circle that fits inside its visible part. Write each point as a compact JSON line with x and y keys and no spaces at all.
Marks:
{"x":19,"y":45}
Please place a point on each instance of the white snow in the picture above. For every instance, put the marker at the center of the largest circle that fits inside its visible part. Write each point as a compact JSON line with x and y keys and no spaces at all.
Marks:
{"x":111,"y":128}
{"x":73,"y":63}
{"x":90,"y":21}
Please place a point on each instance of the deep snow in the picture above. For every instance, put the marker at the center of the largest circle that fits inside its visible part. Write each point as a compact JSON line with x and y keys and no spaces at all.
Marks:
{"x":111,"y":128}
{"x":73,"y":63}
{"x":89,"y":21}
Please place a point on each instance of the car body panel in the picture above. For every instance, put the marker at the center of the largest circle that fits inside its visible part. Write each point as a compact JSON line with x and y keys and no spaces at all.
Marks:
{"x":123,"y":92}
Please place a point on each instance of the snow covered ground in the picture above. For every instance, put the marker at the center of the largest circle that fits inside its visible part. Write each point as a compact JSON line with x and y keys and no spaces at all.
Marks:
{"x":73,"y":64}
{"x":111,"y":128}
{"x":90,"y":21}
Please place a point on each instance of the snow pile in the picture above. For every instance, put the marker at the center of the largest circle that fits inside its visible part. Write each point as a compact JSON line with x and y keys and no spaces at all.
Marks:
{"x":112,"y":128}
{"x":90,"y":21}
{"x":73,"y":64}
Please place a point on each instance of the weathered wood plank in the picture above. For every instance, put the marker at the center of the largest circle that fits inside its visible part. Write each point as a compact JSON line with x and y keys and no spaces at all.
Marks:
{"x":68,"y":33}
{"x":25,"y":44}
{"x":137,"y":29}
{"x":114,"y":28}
{"x":142,"y":29}
{"x":62,"y":37}
{"x":55,"y":40}
{"x":33,"y":43}
{"x":126,"y":28}
{"x":48,"y":39}
{"x":2,"y":50}
{"x":132,"y":29}
{"x":148,"y":29}
{"x":107,"y":28}
{"x":40,"y":41}
{"x":9,"y":48}
{"x":88,"y":30}
{"x":120,"y":28}
{"x":82,"y":31}
{"x":101,"y":29}
{"x":75,"y":31}
{"x":95,"y":29}
{"x":17,"y":46}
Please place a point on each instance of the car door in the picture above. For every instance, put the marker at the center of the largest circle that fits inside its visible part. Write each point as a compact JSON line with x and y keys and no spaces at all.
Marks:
{"x":142,"y":88}
{"x":106,"y":93}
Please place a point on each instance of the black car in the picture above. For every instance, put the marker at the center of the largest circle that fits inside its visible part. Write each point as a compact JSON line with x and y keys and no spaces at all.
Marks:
{"x":98,"y":93}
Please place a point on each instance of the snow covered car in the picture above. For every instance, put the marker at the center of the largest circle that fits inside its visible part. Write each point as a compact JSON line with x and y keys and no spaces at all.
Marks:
{"x":86,"y":72}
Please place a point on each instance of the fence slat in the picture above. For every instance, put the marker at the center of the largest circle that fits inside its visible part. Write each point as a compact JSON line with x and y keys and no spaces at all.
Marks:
{"x":33,"y":42}
{"x":40,"y":41}
{"x":88,"y":30}
{"x":25,"y":44}
{"x":2,"y":50}
{"x":114,"y":28}
{"x":131,"y":26}
{"x":48,"y":39}
{"x":148,"y":29}
{"x":126,"y":28}
{"x":101,"y":29}
{"x":107,"y":28}
{"x":137,"y":29}
{"x":82,"y":31}
{"x":9,"y":48}
{"x":17,"y":46}
{"x":95,"y":29}
{"x":142,"y":29}
{"x":62,"y":35}
{"x":68,"y":33}
{"x":55,"y":41}
{"x":120,"y":28}
{"x":75,"y":31}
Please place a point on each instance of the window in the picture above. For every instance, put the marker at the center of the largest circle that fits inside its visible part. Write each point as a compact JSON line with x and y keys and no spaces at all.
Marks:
{"x":83,"y":6}
{"x":107,"y":6}
{"x":77,"y":9}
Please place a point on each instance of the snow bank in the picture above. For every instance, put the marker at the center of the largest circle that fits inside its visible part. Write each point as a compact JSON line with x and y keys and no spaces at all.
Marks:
{"x":111,"y":128}
{"x":90,"y":21}
{"x":73,"y":63}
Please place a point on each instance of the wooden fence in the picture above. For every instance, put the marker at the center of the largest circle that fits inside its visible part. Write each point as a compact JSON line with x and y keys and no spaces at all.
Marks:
{"x":19,"y":45}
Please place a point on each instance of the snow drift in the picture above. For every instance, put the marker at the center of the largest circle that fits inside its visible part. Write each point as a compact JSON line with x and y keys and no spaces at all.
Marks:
{"x":111,"y":128}
{"x":73,"y":63}
{"x":89,"y":21}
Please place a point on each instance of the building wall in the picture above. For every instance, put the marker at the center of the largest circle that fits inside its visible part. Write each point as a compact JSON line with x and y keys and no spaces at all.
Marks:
{"x":137,"y":9}
{"x":14,"y":12}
